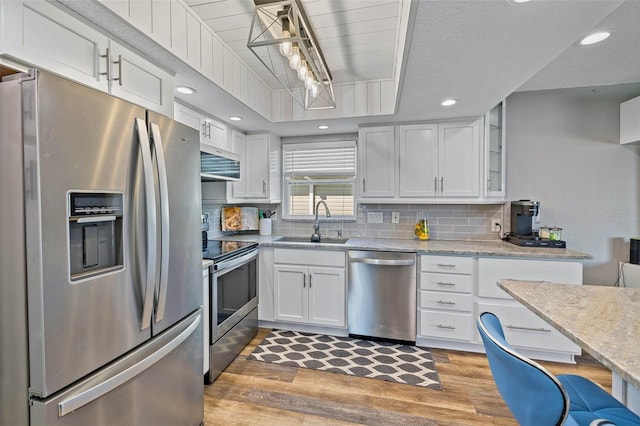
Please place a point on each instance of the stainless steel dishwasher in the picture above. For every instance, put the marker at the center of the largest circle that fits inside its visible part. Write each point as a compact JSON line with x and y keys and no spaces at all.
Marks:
{"x":382,"y":295}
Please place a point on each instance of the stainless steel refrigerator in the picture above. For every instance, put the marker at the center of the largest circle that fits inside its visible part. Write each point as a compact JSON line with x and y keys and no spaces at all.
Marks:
{"x":101,"y":297}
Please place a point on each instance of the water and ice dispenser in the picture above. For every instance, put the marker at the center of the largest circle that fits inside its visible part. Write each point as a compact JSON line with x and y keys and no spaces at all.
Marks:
{"x":95,"y":233}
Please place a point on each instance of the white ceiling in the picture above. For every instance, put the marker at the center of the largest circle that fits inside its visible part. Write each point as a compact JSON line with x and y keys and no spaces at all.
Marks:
{"x":357,"y":37}
{"x":478,"y":51}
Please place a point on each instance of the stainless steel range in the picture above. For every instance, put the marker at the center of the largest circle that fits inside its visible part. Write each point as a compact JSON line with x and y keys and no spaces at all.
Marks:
{"x":233,"y":301}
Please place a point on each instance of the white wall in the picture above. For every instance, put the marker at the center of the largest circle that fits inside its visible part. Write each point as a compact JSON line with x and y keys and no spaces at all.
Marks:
{"x":563,"y":150}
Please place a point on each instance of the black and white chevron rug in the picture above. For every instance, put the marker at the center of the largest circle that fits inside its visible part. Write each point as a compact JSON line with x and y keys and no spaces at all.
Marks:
{"x":345,"y":355}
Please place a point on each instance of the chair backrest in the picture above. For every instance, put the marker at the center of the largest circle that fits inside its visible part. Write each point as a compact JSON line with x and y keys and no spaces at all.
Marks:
{"x":534,"y":396}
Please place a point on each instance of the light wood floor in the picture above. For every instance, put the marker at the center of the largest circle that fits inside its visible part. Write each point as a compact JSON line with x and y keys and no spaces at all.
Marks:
{"x":258,"y":393}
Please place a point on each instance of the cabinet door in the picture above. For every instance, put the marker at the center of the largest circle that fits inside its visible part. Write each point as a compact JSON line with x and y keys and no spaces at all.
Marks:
{"x":215,"y":134}
{"x":377,"y":161}
{"x":139,"y":81}
{"x":254,"y":172}
{"x":290,"y":295}
{"x":40,"y":34}
{"x":189,"y":117}
{"x":459,"y":159}
{"x":495,"y":152}
{"x":418,"y":168}
{"x":327,"y":295}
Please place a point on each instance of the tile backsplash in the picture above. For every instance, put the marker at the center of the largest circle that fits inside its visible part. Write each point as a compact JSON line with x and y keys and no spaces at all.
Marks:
{"x":446,"y":221}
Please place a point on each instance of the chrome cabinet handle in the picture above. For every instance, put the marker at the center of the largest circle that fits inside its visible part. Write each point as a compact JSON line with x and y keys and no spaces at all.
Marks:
{"x":264,"y":186}
{"x":310,"y":275}
{"x":107,"y":72}
{"x":150,"y":204}
{"x":448,"y":327}
{"x":119,"y":62}
{"x":304,"y":280}
{"x":445,"y":265}
{"x":515,"y":327}
{"x":443,"y":283}
{"x":156,"y":143}
{"x":204,"y":129}
{"x":435,"y":184}
{"x":441,"y":184}
{"x":364,"y":185}
{"x":209,"y":130}
{"x":445,"y":302}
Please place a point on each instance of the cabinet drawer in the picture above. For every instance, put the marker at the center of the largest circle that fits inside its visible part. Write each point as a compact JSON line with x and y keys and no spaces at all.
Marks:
{"x":309,"y":257}
{"x":492,"y":270}
{"x":456,"y":326}
{"x":448,"y":301}
{"x":525,"y":329}
{"x":447,"y":264}
{"x":446,"y":282}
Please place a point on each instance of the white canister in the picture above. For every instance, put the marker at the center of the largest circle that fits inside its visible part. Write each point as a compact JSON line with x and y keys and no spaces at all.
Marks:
{"x":265,"y":226}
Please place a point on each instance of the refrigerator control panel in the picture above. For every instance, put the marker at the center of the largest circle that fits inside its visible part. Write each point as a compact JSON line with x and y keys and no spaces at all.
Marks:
{"x":95,"y":233}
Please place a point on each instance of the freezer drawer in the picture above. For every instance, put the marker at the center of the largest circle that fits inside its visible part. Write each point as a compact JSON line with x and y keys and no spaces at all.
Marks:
{"x":169,"y":366}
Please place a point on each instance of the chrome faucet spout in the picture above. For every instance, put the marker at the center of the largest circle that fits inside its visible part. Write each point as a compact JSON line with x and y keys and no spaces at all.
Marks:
{"x":316,"y":225}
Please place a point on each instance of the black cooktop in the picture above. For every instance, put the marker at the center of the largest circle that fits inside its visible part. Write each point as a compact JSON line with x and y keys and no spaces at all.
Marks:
{"x":223,"y":250}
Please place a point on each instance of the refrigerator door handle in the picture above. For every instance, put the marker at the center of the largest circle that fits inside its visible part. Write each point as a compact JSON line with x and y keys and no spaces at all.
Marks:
{"x":156,"y":139}
{"x":150,"y":201}
{"x":83,"y":398}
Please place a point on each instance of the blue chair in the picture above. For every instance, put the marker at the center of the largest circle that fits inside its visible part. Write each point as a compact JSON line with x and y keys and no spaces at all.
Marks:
{"x":536,"y":397}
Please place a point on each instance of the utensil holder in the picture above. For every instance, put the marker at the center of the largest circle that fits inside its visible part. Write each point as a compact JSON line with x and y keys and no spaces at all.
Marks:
{"x":265,"y":226}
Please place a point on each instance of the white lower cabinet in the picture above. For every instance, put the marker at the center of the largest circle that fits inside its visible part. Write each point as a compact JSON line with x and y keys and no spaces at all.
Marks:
{"x":523,"y":329}
{"x":309,"y":287}
{"x":454,"y":290}
{"x":445,"y":298}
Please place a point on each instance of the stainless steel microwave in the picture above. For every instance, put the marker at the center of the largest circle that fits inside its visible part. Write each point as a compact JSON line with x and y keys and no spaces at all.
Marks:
{"x":218,"y":165}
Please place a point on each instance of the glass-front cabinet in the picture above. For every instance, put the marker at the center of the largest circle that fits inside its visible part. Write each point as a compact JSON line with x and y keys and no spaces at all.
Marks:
{"x":495,"y":150}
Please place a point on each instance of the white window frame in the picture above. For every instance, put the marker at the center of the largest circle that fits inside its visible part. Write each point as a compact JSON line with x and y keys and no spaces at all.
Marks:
{"x":287,"y":147}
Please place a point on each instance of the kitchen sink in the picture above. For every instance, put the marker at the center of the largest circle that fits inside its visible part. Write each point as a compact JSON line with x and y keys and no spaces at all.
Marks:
{"x":308,"y":240}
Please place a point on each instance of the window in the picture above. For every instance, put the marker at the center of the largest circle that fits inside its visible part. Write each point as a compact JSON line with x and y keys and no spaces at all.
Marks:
{"x":319,"y":171}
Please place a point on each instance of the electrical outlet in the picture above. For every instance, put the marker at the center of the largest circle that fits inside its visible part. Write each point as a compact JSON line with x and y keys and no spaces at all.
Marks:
{"x":496,"y":225}
{"x":395,"y":217}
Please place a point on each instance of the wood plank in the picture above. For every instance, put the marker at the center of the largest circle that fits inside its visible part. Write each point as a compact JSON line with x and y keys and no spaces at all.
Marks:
{"x":254,"y":392}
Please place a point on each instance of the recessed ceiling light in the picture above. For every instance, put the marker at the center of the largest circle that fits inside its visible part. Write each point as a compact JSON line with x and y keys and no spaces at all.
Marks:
{"x":449,"y":102}
{"x":520,"y":1}
{"x":323,"y":127}
{"x":185,"y":90}
{"x":594,"y":38}
{"x":235,"y":118}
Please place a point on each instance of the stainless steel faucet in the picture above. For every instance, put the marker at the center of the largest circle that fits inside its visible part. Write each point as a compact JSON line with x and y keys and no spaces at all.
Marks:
{"x":315,"y":238}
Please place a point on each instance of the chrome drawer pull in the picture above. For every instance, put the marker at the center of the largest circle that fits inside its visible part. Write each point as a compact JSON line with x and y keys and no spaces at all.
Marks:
{"x":448,"y":327}
{"x":445,"y":265}
{"x":443,"y":283}
{"x":445,"y":302}
{"x":515,"y":327}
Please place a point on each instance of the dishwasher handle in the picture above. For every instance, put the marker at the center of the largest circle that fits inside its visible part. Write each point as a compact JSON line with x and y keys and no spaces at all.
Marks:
{"x":384,"y":262}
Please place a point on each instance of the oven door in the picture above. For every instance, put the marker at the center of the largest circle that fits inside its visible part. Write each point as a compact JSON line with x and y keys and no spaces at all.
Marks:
{"x":234,"y":292}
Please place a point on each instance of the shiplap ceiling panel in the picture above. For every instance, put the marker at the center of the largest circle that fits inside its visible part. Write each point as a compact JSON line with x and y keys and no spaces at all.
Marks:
{"x":358,"y":38}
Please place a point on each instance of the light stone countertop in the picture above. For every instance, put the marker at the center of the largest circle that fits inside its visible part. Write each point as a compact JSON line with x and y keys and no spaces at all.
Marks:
{"x":206,"y":263}
{"x":440,"y":247}
{"x":602,"y":320}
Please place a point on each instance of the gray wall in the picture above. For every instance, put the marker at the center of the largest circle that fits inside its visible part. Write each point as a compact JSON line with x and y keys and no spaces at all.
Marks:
{"x":563,"y":150}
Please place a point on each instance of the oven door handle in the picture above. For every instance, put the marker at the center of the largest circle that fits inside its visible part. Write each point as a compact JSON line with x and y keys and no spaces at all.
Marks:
{"x":235,"y":262}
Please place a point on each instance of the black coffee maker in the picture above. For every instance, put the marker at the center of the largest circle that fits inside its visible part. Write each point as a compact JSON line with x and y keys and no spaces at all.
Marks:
{"x":523,"y":214}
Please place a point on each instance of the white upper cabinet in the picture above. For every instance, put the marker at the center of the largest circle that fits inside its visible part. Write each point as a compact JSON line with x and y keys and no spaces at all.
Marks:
{"x":418,"y":145}
{"x":260,"y":179}
{"x":212,"y":132}
{"x":137,"y":80}
{"x":377,"y":161}
{"x":420,"y":162}
{"x":495,"y":152}
{"x":459,"y":158}
{"x":41,"y":35}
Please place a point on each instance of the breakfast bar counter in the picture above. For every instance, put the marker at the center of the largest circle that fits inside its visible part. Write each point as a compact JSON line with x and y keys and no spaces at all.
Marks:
{"x":603,"y":321}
